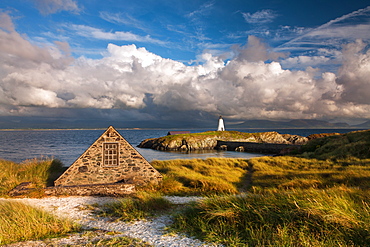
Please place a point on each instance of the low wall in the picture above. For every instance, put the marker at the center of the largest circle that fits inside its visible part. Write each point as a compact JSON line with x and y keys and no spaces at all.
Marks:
{"x":118,"y":189}
{"x":253,"y":147}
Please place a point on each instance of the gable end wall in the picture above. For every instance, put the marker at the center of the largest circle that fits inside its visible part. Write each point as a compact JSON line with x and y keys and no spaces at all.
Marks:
{"x":89,"y":168}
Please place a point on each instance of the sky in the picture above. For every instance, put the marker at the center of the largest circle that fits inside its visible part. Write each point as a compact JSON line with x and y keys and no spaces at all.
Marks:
{"x":175,"y":63}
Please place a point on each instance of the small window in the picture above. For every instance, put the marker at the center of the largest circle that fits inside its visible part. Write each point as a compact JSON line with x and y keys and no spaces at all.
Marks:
{"x":110,"y":154}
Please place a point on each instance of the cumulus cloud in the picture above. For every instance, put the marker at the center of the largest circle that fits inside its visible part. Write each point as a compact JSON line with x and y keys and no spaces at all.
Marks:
{"x":255,"y":50}
{"x":6,"y":22}
{"x":251,"y":85}
{"x":304,"y":61}
{"x":355,"y":73}
{"x":47,"y":7}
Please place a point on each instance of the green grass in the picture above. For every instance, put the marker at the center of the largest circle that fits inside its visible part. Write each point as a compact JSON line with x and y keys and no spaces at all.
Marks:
{"x":118,"y":242}
{"x":20,"y":222}
{"x":215,"y":176}
{"x":333,"y":217}
{"x":353,"y":144}
{"x":287,"y":173}
{"x":140,"y":206}
{"x":40,"y":172}
{"x":221,"y":134}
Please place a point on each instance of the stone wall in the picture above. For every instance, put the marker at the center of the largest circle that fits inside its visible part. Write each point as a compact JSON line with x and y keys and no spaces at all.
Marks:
{"x":116,"y":190}
{"x":264,"y":148}
{"x":26,"y":189}
{"x":95,"y":166}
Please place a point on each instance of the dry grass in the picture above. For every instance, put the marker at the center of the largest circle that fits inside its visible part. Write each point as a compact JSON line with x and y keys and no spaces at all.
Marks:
{"x":230,"y":176}
{"x":286,"y":173}
{"x":201,"y":177}
{"x":339,"y":216}
{"x":20,"y":222}
{"x":140,"y":206}
{"x":353,"y":144}
{"x":40,"y":172}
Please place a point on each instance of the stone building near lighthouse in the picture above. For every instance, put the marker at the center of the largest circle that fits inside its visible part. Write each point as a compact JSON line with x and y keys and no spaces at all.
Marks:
{"x":110,"y":159}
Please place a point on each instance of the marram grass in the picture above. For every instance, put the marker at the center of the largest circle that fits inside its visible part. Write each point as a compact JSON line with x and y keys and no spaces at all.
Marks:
{"x":20,"y":222}
{"x":119,"y":242}
{"x":286,"y":173}
{"x":201,"y":177}
{"x":218,"y":176}
{"x":40,"y":172}
{"x":137,"y":207}
{"x":339,"y":216}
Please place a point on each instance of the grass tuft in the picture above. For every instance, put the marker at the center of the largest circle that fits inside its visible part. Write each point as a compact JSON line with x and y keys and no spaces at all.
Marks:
{"x":353,"y":144}
{"x":216,"y":176}
{"x":20,"y":222}
{"x":40,"y":172}
{"x":333,"y":217}
{"x":201,"y":177}
{"x":288,"y":173}
{"x":141,"y":206}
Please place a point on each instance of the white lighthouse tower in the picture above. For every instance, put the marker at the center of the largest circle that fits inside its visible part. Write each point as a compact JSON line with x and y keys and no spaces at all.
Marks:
{"x":221,"y":126}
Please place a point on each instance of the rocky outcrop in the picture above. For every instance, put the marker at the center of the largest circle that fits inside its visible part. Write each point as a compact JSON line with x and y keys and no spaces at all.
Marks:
{"x":295,"y":139}
{"x":211,"y":140}
{"x":179,"y":143}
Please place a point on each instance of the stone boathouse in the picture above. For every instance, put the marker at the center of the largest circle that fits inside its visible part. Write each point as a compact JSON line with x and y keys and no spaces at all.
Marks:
{"x":109,"y":160}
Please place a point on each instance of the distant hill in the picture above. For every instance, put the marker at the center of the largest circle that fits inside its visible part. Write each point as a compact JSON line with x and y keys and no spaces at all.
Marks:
{"x":13,"y":122}
{"x":297,"y":123}
{"x":365,"y":125}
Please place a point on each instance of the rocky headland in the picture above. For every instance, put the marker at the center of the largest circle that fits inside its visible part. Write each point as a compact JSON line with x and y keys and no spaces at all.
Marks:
{"x":272,"y":142}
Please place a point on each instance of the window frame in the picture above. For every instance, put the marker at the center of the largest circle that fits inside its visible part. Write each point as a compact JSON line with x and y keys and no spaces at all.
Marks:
{"x":110,"y":154}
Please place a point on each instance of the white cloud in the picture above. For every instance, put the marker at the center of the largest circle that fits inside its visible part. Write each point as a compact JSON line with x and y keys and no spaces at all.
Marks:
{"x":334,"y":33}
{"x":355,"y":73}
{"x":120,"y":18}
{"x":246,"y":87}
{"x":204,"y":9}
{"x":96,"y":33}
{"x":260,"y":17}
{"x":6,"y":22}
{"x":47,"y":7}
{"x":304,"y":61}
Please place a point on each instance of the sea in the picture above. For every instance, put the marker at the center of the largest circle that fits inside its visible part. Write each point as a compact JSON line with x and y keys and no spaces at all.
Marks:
{"x":68,"y":145}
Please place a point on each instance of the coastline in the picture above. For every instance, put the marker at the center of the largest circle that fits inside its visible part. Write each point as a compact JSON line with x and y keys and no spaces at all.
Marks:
{"x":205,"y":129}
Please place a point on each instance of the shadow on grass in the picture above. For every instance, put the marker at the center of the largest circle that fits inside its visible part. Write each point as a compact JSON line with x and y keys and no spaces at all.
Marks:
{"x":55,"y":170}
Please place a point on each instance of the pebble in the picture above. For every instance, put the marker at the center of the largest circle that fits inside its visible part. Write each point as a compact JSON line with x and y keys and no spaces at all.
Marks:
{"x":78,"y":209}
